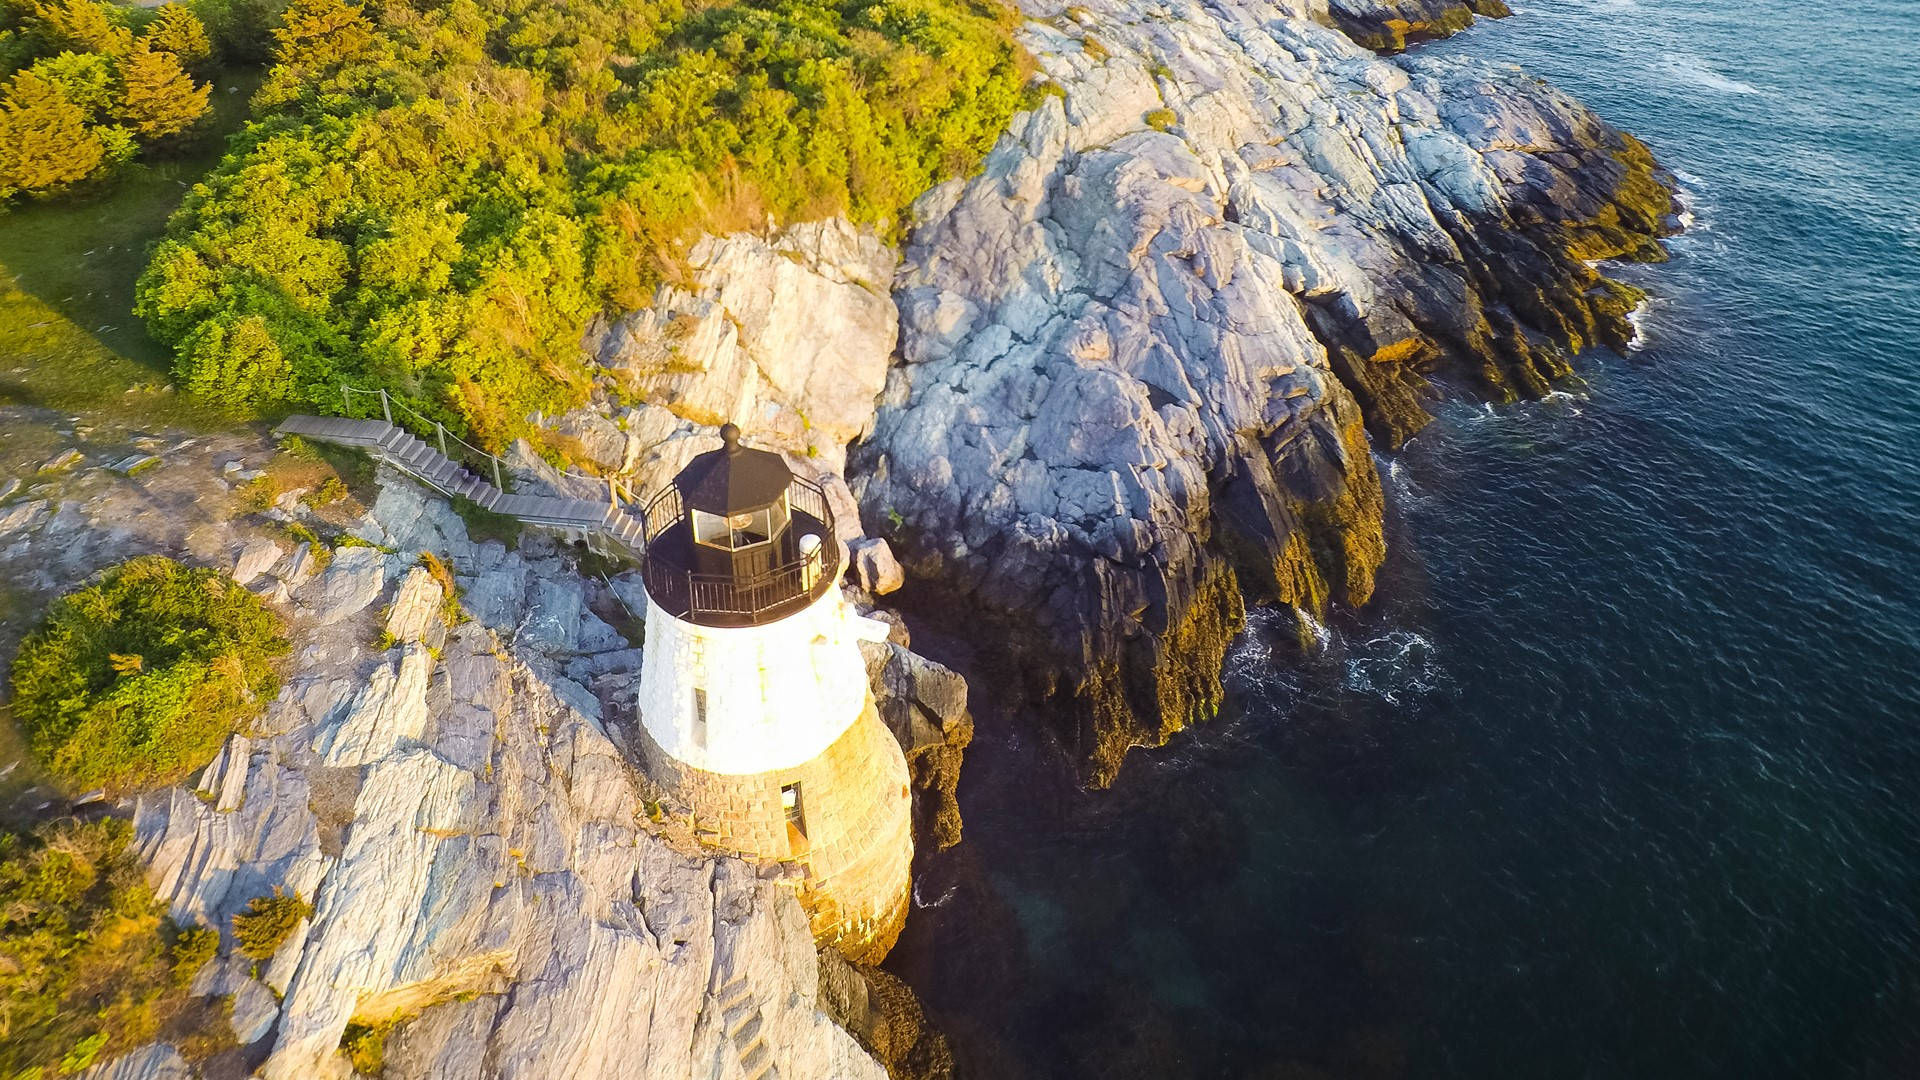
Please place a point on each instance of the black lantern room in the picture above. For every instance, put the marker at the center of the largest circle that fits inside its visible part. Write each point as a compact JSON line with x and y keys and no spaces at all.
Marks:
{"x":738,"y":539}
{"x":735,"y":500}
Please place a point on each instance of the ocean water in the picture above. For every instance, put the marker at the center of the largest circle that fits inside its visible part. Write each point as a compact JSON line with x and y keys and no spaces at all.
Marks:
{"x":1619,"y":776}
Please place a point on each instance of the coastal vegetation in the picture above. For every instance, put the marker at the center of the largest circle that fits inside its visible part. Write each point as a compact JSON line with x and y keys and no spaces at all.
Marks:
{"x":89,"y":86}
{"x":137,"y":679}
{"x":89,"y":964}
{"x":267,"y":923}
{"x":438,"y":199}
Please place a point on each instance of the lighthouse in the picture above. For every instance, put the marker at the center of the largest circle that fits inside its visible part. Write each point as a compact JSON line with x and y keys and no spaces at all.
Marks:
{"x":754,"y":706}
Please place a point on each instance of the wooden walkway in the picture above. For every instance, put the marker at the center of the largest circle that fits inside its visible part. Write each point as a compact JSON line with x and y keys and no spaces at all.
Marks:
{"x":414,"y":457}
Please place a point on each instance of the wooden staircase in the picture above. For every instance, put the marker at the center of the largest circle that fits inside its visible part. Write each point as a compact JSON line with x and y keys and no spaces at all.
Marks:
{"x":413,"y":456}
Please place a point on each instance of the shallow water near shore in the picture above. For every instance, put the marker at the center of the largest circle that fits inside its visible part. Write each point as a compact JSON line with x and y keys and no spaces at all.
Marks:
{"x":1620,"y":773}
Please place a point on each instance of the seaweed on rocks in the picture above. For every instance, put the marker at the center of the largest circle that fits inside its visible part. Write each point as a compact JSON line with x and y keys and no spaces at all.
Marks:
{"x":1389,"y":26}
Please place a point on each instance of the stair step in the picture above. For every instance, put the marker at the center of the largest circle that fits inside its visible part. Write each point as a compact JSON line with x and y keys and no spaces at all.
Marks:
{"x":756,"y":1055}
{"x":735,"y":1016}
{"x":770,"y":1072}
{"x":748,"y":1029}
{"x":734,"y":992}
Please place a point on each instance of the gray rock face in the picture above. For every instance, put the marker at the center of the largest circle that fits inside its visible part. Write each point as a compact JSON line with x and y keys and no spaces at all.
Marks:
{"x":148,"y":1063}
{"x":1138,"y":348}
{"x":787,"y":336}
{"x":350,"y":582}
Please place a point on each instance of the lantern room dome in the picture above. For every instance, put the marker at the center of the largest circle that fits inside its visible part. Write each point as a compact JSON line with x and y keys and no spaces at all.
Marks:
{"x":734,"y":478}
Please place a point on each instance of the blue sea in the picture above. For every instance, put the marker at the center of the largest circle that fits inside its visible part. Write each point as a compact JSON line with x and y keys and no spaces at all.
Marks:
{"x":1619,"y":775}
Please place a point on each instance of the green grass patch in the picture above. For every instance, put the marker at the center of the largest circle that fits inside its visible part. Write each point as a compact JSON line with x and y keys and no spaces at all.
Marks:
{"x":484,"y":524}
{"x":68,"y":337}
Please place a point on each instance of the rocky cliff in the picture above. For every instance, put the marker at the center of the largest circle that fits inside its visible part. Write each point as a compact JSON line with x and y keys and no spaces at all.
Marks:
{"x":1141,"y":353}
{"x":492,"y":894}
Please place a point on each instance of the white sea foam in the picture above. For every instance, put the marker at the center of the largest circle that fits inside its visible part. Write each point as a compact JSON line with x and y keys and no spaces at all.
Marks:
{"x":1637,"y":318}
{"x":1692,"y":69}
{"x":1395,"y":667}
{"x":919,"y":903}
{"x":1318,"y":630}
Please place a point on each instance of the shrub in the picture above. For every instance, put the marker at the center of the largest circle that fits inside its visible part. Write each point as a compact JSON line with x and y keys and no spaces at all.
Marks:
{"x":177,"y":30}
{"x":192,"y":949}
{"x":1161,"y":119}
{"x":160,"y":99}
{"x":451,"y":613}
{"x":86,"y":970}
{"x":138,"y":679}
{"x":45,"y":143}
{"x":268,"y":921}
{"x":366,"y":1046}
{"x":439,"y":204}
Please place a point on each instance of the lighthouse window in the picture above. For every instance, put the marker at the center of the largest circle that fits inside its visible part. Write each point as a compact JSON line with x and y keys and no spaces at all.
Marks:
{"x":744,"y":529}
{"x":699,"y":717}
{"x":796,"y":814}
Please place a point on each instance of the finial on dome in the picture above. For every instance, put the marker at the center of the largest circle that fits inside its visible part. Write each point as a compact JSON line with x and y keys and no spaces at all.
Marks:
{"x":730,"y":437}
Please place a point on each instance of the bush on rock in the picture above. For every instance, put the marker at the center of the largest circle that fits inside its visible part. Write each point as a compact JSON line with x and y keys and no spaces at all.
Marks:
{"x":86,"y":967}
{"x":137,"y":679}
{"x":268,"y":921}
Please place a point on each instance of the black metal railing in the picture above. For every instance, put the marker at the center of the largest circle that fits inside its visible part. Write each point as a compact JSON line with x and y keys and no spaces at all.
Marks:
{"x":727,"y":600}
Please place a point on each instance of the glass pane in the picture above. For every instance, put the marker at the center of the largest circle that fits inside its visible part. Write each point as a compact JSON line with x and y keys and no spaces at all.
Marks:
{"x":751,"y":528}
{"x":710,"y":529}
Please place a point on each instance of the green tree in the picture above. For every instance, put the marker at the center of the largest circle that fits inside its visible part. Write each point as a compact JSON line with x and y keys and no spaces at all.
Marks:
{"x":88,"y":80}
{"x":441,"y":201}
{"x":45,"y":143}
{"x":137,"y":679}
{"x":160,"y":98}
{"x":319,"y":32}
{"x":235,"y":364}
{"x":176,"y":30}
{"x":240,"y":30}
{"x":78,"y":26}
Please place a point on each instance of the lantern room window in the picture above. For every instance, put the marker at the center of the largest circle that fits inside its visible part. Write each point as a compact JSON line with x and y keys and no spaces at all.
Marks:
{"x":742,"y":529}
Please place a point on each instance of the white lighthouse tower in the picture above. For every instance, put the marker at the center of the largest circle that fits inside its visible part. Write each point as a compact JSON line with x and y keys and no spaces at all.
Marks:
{"x":754,"y":699}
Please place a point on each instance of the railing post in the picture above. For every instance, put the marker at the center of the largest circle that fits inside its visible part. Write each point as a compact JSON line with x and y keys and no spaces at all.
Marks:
{"x":345,"y":390}
{"x":440,"y":429}
{"x":386,"y":407}
{"x":495,"y":458}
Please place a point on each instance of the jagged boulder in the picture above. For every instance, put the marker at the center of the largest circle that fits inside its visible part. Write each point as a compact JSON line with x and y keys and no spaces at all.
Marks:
{"x":1391,"y":25}
{"x":874,"y":566}
{"x":924,"y":704}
